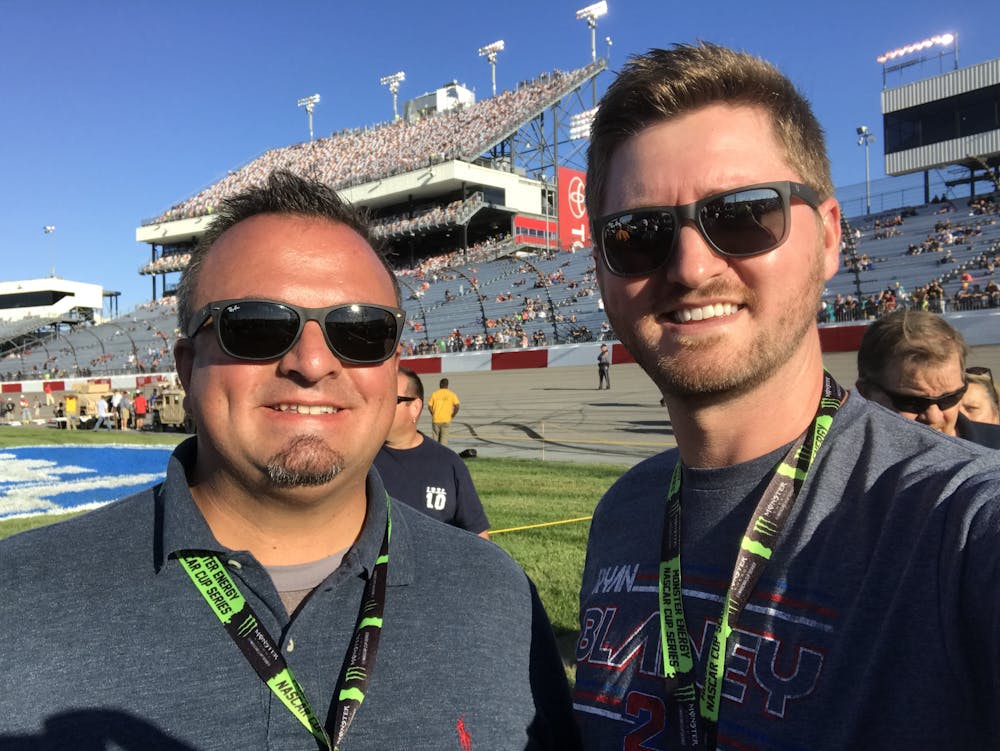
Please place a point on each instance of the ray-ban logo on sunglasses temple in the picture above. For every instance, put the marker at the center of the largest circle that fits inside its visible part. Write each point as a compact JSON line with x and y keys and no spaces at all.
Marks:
{"x":739,"y":222}
{"x":249,"y":329}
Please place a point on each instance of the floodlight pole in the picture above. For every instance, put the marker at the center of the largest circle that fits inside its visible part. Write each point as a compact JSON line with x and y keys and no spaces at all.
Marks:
{"x":49,"y":229}
{"x":865,"y":138}
{"x":392,"y":82}
{"x":590,"y":14}
{"x":490,"y":51}
{"x":309,"y":103}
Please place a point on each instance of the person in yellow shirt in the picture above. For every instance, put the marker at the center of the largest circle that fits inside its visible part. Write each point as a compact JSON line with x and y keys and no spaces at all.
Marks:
{"x":443,"y":406}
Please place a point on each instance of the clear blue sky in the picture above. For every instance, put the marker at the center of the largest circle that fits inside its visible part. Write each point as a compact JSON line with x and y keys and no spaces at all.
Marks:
{"x":113,"y":111}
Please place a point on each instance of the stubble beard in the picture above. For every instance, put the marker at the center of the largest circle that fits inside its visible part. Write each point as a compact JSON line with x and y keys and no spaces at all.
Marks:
{"x":687,"y":373}
{"x":304,"y":461}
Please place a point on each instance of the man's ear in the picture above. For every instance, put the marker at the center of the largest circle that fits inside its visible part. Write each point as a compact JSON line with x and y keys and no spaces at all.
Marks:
{"x":829,"y":214}
{"x":184,"y":360}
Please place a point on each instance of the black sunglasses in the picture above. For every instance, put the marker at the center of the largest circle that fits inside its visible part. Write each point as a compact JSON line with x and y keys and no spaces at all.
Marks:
{"x":740,"y":222}
{"x":357,"y":333}
{"x":979,"y":370}
{"x":403,"y":399}
{"x":917,"y":405}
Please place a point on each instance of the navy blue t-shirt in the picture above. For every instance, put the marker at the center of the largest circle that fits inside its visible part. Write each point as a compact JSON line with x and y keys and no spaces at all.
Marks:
{"x":433,"y":479}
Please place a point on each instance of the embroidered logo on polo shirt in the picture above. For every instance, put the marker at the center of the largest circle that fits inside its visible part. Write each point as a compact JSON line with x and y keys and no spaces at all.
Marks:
{"x":464,"y":739}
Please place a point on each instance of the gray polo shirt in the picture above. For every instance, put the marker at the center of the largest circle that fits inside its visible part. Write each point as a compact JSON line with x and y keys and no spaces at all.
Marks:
{"x":107,"y":644}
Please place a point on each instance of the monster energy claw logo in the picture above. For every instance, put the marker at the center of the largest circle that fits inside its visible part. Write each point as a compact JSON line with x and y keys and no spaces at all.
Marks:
{"x":355,"y":674}
{"x":685,"y":693}
{"x":765,"y":526}
{"x":246,"y":628}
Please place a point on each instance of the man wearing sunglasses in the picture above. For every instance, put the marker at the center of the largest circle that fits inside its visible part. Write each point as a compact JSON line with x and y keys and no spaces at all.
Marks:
{"x":913,"y":362}
{"x":269,"y":594}
{"x":804,"y":570}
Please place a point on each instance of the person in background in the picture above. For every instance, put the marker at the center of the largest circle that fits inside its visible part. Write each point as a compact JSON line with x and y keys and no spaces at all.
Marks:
{"x":913,"y":362}
{"x":421,"y":472}
{"x":103,"y":415}
{"x":443,"y":406}
{"x":603,"y":368}
{"x":981,"y":402}
{"x":140,"y":406}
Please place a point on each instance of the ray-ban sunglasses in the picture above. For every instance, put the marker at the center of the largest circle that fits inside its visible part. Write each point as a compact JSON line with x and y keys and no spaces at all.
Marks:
{"x":741,"y":222}
{"x":257,"y":330}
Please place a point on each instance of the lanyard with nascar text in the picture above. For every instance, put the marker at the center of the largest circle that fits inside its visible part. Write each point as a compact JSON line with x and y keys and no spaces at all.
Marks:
{"x":697,"y":720}
{"x":213,"y":581}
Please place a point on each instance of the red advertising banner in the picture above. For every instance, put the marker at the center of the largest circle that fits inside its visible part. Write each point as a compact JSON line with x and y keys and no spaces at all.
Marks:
{"x":574,"y":225}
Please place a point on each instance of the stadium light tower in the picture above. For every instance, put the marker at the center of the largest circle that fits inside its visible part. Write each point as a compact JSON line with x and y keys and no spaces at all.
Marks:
{"x":393,"y":81}
{"x":938,"y":40}
{"x":309,"y":103}
{"x":865,"y":138}
{"x":490,"y":51}
{"x":607,"y":41}
{"x":49,"y":229}
{"x":590,"y":14}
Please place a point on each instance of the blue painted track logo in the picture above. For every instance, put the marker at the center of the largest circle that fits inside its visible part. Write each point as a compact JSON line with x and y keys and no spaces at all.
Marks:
{"x":56,"y":479}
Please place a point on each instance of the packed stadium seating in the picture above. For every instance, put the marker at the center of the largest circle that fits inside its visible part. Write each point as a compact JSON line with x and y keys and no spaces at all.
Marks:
{"x":357,"y":156}
{"x":498,"y":295}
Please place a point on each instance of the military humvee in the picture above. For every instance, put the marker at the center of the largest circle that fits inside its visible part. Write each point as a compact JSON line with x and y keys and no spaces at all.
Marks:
{"x":168,"y":411}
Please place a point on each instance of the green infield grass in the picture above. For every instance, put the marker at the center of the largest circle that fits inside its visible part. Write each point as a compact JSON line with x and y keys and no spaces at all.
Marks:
{"x":523,"y":496}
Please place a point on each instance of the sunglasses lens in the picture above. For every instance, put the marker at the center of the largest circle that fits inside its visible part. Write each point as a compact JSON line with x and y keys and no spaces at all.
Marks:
{"x":362,"y":333}
{"x":256,"y":329}
{"x":917,"y":405}
{"x":639,"y":242}
{"x":912,"y":405}
{"x":950,"y":401}
{"x":745,"y":222}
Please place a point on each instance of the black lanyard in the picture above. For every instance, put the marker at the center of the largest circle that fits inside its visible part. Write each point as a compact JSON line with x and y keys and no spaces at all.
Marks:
{"x":220,"y":591}
{"x":697,"y":720}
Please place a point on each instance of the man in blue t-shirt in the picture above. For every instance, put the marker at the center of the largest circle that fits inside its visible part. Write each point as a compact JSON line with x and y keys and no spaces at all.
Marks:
{"x":421,"y":472}
{"x":805,"y":570}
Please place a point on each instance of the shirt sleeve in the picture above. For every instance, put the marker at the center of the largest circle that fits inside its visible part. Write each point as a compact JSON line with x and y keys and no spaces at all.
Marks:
{"x":554,"y":726}
{"x":469,"y":511}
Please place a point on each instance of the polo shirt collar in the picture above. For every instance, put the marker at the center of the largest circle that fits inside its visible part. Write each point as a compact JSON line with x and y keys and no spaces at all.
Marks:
{"x":181,"y":526}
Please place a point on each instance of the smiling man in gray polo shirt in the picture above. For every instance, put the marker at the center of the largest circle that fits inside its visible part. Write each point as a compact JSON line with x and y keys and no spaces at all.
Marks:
{"x":267,"y":595}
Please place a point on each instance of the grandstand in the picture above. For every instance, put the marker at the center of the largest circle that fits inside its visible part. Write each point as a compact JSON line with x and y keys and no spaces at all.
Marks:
{"x":943,"y":254}
{"x":31,"y":307}
{"x":478,"y":204}
{"x":453,"y":176}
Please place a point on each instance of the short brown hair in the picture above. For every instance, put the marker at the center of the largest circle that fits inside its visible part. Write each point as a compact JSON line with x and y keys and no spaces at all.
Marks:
{"x":916,"y":335}
{"x":282,"y":193}
{"x":663,"y":84}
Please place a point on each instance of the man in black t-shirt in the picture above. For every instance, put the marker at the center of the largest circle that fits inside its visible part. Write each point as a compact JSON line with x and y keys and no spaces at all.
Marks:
{"x":421,"y":472}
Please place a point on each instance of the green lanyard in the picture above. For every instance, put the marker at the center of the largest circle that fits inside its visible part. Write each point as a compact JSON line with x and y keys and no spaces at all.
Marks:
{"x":697,"y":720}
{"x":262,"y":652}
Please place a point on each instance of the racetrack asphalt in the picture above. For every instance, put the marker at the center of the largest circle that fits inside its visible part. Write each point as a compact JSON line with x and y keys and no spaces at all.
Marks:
{"x":557,"y":414}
